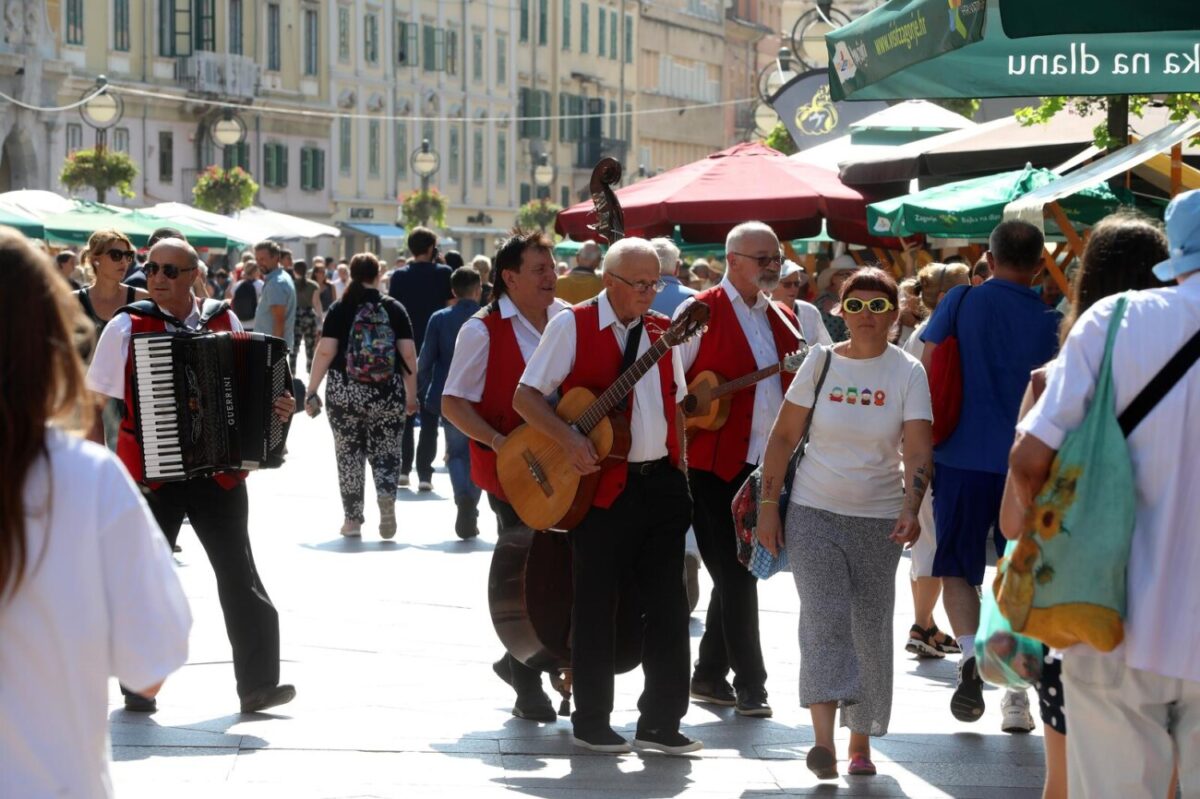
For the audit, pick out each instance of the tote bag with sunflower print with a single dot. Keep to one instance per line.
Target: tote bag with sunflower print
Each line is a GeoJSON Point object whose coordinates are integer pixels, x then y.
{"type": "Point", "coordinates": [1063, 582]}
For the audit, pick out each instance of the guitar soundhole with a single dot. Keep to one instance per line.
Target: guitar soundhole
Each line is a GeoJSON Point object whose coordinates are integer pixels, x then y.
{"type": "Point", "coordinates": [690, 403]}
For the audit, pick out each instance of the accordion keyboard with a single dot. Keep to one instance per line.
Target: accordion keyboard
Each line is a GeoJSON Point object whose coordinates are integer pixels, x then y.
{"type": "Point", "coordinates": [157, 414]}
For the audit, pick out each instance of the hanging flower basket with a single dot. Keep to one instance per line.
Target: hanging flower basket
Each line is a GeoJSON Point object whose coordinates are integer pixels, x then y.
{"type": "Point", "coordinates": [224, 191]}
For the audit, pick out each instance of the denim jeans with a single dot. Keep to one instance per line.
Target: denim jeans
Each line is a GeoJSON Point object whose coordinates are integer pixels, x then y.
{"type": "Point", "coordinates": [458, 462]}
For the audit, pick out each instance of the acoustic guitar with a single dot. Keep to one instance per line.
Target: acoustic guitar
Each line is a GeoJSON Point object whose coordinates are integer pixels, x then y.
{"type": "Point", "coordinates": [710, 396]}
{"type": "Point", "coordinates": [537, 476]}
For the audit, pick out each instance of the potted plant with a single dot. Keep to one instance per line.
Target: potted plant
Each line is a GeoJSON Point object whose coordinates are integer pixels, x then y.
{"type": "Point", "coordinates": [101, 169]}
{"type": "Point", "coordinates": [539, 214]}
{"type": "Point", "coordinates": [224, 191]}
{"type": "Point", "coordinates": [422, 206]}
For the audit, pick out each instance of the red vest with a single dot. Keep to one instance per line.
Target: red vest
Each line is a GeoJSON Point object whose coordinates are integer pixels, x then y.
{"type": "Point", "coordinates": [725, 350]}
{"type": "Point", "coordinates": [505, 366]}
{"type": "Point", "coordinates": [128, 448]}
{"type": "Point", "coordinates": [598, 365]}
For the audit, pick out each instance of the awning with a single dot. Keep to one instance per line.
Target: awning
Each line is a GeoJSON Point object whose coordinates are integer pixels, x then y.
{"type": "Point", "coordinates": [481, 231]}
{"type": "Point", "coordinates": [1031, 207]}
{"type": "Point", "coordinates": [379, 230]}
{"type": "Point", "coordinates": [276, 225]}
{"type": "Point", "coordinates": [944, 49]}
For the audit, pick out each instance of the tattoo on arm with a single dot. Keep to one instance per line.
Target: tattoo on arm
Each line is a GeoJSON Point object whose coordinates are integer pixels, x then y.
{"type": "Point", "coordinates": [921, 478]}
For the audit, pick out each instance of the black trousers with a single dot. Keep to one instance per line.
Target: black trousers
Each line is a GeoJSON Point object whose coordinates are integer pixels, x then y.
{"type": "Point", "coordinates": [524, 679]}
{"type": "Point", "coordinates": [640, 539]}
{"type": "Point", "coordinates": [426, 449]}
{"type": "Point", "coordinates": [731, 626]}
{"type": "Point", "coordinates": [220, 518]}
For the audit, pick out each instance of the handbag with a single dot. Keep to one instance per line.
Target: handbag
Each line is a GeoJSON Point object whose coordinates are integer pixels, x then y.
{"type": "Point", "coordinates": [745, 506]}
{"type": "Point", "coordinates": [946, 381]}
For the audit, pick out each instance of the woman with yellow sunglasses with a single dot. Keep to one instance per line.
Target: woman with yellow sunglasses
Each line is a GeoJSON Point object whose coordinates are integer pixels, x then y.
{"type": "Point", "coordinates": [850, 512]}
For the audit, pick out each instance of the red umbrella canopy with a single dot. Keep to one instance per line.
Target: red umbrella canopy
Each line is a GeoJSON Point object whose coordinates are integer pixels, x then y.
{"type": "Point", "coordinates": [709, 197]}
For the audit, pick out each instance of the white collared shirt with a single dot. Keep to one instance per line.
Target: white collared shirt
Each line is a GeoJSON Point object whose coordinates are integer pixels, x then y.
{"type": "Point", "coordinates": [756, 328]}
{"type": "Point", "coordinates": [106, 374]}
{"type": "Point", "coordinates": [1162, 634]}
{"type": "Point", "coordinates": [468, 368]}
{"type": "Point", "coordinates": [555, 358]}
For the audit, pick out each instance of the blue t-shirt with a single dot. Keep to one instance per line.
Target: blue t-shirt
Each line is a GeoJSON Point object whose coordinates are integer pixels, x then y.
{"type": "Point", "coordinates": [422, 288]}
{"type": "Point", "coordinates": [278, 289]}
{"type": "Point", "coordinates": [1004, 332]}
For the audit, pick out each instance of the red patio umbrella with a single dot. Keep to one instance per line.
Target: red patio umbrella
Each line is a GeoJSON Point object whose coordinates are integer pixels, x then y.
{"type": "Point", "coordinates": [707, 198]}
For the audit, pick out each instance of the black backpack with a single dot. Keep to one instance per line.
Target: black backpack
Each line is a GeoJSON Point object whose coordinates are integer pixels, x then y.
{"type": "Point", "coordinates": [245, 301]}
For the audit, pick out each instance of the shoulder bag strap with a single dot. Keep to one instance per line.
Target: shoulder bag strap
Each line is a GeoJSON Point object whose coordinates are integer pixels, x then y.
{"type": "Point", "coordinates": [789, 326]}
{"type": "Point", "coordinates": [799, 453]}
{"type": "Point", "coordinates": [1160, 385]}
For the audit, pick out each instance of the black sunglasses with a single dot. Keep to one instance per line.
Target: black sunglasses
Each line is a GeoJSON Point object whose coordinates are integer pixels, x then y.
{"type": "Point", "coordinates": [170, 270]}
{"type": "Point", "coordinates": [120, 255]}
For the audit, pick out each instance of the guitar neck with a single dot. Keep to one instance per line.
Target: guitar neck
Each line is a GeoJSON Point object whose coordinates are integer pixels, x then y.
{"type": "Point", "coordinates": [746, 380]}
{"type": "Point", "coordinates": [620, 389]}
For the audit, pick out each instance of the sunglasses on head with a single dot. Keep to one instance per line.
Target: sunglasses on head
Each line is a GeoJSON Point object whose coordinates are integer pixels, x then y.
{"type": "Point", "coordinates": [877, 305]}
{"type": "Point", "coordinates": [120, 255]}
{"type": "Point", "coordinates": [170, 270]}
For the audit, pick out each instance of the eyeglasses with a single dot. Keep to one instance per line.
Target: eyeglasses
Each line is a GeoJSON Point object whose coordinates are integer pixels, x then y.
{"type": "Point", "coordinates": [790, 284]}
{"type": "Point", "coordinates": [763, 261]}
{"type": "Point", "coordinates": [877, 305]}
{"type": "Point", "coordinates": [120, 255]}
{"type": "Point", "coordinates": [641, 286]}
{"type": "Point", "coordinates": [170, 270]}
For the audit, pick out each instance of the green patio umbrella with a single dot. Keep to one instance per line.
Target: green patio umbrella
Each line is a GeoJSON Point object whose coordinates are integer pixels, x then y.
{"type": "Point", "coordinates": [970, 209]}
{"type": "Point", "coordinates": [908, 49]}
{"type": "Point", "coordinates": [76, 226]}
{"type": "Point", "coordinates": [27, 225]}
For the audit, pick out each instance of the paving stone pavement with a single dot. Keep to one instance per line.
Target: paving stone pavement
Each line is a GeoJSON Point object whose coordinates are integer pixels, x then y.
{"type": "Point", "coordinates": [389, 645]}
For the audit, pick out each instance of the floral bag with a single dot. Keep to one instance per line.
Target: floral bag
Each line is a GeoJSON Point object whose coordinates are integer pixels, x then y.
{"type": "Point", "coordinates": [1063, 582]}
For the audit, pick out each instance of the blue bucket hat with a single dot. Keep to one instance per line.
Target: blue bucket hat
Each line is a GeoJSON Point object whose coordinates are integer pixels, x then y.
{"type": "Point", "coordinates": [1183, 235]}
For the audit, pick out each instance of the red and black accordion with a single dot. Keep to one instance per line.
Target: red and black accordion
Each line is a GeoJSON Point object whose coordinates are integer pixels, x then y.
{"type": "Point", "coordinates": [204, 402]}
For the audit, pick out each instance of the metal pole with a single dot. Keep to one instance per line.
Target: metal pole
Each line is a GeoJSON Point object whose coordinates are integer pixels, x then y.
{"type": "Point", "coordinates": [533, 93]}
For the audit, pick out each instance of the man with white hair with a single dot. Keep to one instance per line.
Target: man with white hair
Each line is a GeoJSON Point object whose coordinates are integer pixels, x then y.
{"type": "Point", "coordinates": [634, 531]}
{"type": "Point", "coordinates": [673, 292]}
{"type": "Point", "coordinates": [581, 283]}
{"type": "Point", "coordinates": [746, 332]}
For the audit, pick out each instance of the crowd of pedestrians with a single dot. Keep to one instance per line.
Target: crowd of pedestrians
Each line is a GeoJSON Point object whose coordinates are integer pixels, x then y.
{"type": "Point", "coordinates": [879, 471]}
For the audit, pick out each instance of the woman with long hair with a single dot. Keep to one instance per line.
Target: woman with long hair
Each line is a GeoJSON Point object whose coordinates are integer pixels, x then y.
{"type": "Point", "coordinates": [925, 640]}
{"type": "Point", "coordinates": [368, 351]}
{"type": "Point", "coordinates": [109, 253]}
{"type": "Point", "coordinates": [1119, 256]}
{"type": "Point", "coordinates": [87, 585]}
{"type": "Point", "coordinates": [851, 510]}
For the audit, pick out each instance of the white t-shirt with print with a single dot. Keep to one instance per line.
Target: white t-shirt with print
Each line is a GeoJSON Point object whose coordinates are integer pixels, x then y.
{"type": "Point", "coordinates": [852, 465]}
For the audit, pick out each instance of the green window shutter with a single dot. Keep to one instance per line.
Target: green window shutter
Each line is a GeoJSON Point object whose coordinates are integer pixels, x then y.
{"type": "Point", "coordinates": [526, 193]}
{"type": "Point", "coordinates": [320, 170]}
{"type": "Point", "coordinates": [439, 50]}
{"type": "Point", "coordinates": [566, 24]}
{"type": "Point", "coordinates": [628, 38]}
{"type": "Point", "coordinates": [562, 113]}
{"type": "Point", "coordinates": [603, 44]}
{"type": "Point", "coordinates": [525, 20]}
{"type": "Point", "coordinates": [584, 33]}
{"type": "Point", "coordinates": [282, 159]}
{"type": "Point", "coordinates": [545, 112]}
{"type": "Point", "coordinates": [612, 35]}
{"type": "Point", "coordinates": [543, 21]}
{"type": "Point", "coordinates": [268, 164]}
{"type": "Point", "coordinates": [305, 168]}
{"type": "Point", "coordinates": [428, 38]}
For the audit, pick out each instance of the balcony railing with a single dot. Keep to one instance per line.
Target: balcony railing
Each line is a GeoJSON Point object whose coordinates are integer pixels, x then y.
{"type": "Point", "coordinates": [588, 151]}
{"type": "Point", "coordinates": [220, 74]}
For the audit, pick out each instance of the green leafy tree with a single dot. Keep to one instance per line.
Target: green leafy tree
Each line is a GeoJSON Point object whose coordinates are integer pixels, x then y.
{"type": "Point", "coordinates": [780, 139]}
{"type": "Point", "coordinates": [224, 191]}
{"type": "Point", "coordinates": [1182, 106]}
{"type": "Point", "coordinates": [423, 206]}
{"type": "Point", "coordinates": [538, 214]}
{"type": "Point", "coordinates": [101, 170]}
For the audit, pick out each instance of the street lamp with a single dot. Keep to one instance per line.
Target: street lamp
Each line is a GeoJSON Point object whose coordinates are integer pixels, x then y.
{"type": "Point", "coordinates": [543, 173]}
{"type": "Point", "coordinates": [227, 130]}
{"type": "Point", "coordinates": [425, 162]}
{"type": "Point", "coordinates": [102, 111]}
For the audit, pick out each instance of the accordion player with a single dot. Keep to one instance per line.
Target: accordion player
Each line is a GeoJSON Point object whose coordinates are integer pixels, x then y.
{"type": "Point", "coordinates": [204, 402]}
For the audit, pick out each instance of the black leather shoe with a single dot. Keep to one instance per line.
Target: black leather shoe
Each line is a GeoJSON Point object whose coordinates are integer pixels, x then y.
{"type": "Point", "coordinates": [534, 706]}
{"type": "Point", "coordinates": [713, 693]}
{"type": "Point", "coordinates": [466, 524]}
{"type": "Point", "coordinates": [136, 703]}
{"type": "Point", "coordinates": [262, 698]}
{"type": "Point", "coordinates": [753, 702]}
{"type": "Point", "coordinates": [603, 740]}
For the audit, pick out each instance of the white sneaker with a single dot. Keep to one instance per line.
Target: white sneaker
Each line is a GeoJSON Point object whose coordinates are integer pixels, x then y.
{"type": "Point", "coordinates": [402, 481]}
{"type": "Point", "coordinates": [1015, 710]}
{"type": "Point", "coordinates": [425, 485]}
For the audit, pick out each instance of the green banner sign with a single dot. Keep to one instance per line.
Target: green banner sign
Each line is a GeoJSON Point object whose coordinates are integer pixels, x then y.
{"type": "Point", "coordinates": [998, 66]}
